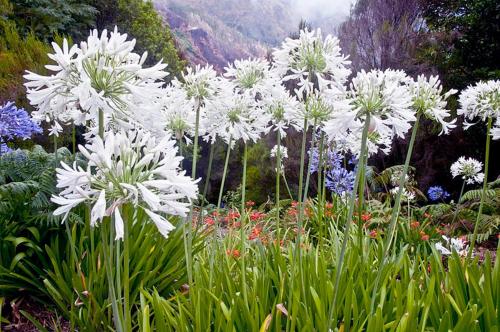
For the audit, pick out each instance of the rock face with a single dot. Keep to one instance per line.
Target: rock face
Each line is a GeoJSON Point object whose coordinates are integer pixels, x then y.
{"type": "Point", "coordinates": [219, 31]}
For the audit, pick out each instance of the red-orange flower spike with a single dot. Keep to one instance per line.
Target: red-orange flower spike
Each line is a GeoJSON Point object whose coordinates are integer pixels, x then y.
{"type": "Point", "coordinates": [209, 221]}
{"type": "Point", "coordinates": [235, 253]}
{"type": "Point", "coordinates": [366, 217]}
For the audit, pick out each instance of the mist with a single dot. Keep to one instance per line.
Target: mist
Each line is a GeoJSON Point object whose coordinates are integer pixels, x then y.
{"type": "Point", "coordinates": [313, 10]}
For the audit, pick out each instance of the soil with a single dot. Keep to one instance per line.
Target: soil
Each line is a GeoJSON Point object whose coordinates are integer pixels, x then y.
{"type": "Point", "coordinates": [18, 322]}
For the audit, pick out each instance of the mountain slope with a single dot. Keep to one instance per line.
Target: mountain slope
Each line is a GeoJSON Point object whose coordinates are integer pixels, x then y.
{"type": "Point", "coordinates": [219, 31]}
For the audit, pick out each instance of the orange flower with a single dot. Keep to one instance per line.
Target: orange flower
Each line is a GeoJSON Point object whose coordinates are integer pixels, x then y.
{"type": "Point", "coordinates": [366, 217]}
{"type": "Point", "coordinates": [257, 215]}
{"type": "Point", "coordinates": [295, 204]}
{"type": "Point", "coordinates": [424, 237]}
{"type": "Point", "coordinates": [373, 234]}
{"type": "Point", "coordinates": [249, 204]}
{"type": "Point", "coordinates": [414, 224]}
{"type": "Point", "coordinates": [234, 253]}
{"type": "Point", "coordinates": [209, 221]}
{"type": "Point", "coordinates": [255, 233]}
{"type": "Point", "coordinates": [427, 215]}
{"type": "Point", "coordinates": [233, 215]}
{"type": "Point", "coordinates": [329, 213]}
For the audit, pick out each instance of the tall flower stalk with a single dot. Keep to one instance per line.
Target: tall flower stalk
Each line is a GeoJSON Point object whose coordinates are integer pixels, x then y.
{"type": "Point", "coordinates": [482, 101]}
{"type": "Point", "coordinates": [427, 100]}
{"type": "Point", "coordinates": [485, 186]}
{"type": "Point", "coordinates": [126, 169]}
{"type": "Point", "coordinates": [352, 201]}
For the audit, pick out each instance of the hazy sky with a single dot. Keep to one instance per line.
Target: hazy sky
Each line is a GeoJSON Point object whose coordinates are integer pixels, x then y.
{"type": "Point", "coordinates": [311, 9]}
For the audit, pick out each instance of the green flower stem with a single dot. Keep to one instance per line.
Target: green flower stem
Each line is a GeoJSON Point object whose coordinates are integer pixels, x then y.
{"type": "Point", "coordinates": [107, 251]}
{"type": "Point", "coordinates": [278, 179]}
{"type": "Point", "coordinates": [395, 212]}
{"type": "Point", "coordinates": [361, 203]}
{"type": "Point", "coordinates": [455, 214]}
{"type": "Point", "coordinates": [287, 187]}
{"type": "Point", "coordinates": [320, 185]}
{"type": "Point", "coordinates": [308, 173]}
{"type": "Point", "coordinates": [126, 268]}
{"type": "Point", "coordinates": [303, 197]}
{"type": "Point", "coordinates": [350, 213]}
{"type": "Point", "coordinates": [485, 186]}
{"type": "Point", "coordinates": [221, 189]}
{"type": "Point", "coordinates": [56, 161]}
{"type": "Point", "coordinates": [242, 225]}
{"type": "Point", "coordinates": [195, 144]}
{"type": "Point", "coordinates": [189, 253]}
{"type": "Point", "coordinates": [207, 179]}
{"type": "Point", "coordinates": [73, 138]}
{"type": "Point", "coordinates": [101, 123]}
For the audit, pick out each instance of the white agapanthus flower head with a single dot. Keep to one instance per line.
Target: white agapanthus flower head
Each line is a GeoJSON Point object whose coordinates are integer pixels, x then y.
{"type": "Point", "coordinates": [406, 195]}
{"type": "Point", "coordinates": [252, 76]}
{"type": "Point", "coordinates": [128, 167]}
{"type": "Point", "coordinates": [178, 113]}
{"type": "Point", "coordinates": [199, 83]}
{"type": "Point", "coordinates": [283, 151]}
{"type": "Point", "coordinates": [469, 169]}
{"type": "Point", "coordinates": [428, 100]}
{"type": "Point", "coordinates": [385, 97]}
{"type": "Point", "coordinates": [233, 116]}
{"type": "Point", "coordinates": [312, 60]}
{"type": "Point", "coordinates": [102, 74]}
{"type": "Point", "coordinates": [482, 101]}
{"type": "Point", "coordinates": [282, 109]}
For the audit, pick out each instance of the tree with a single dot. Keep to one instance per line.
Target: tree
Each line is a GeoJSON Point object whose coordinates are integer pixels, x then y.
{"type": "Point", "coordinates": [465, 46]}
{"type": "Point", "coordinates": [141, 21]}
{"type": "Point", "coordinates": [46, 18]}
{"type": "Point", "coordinates": [383, 34]}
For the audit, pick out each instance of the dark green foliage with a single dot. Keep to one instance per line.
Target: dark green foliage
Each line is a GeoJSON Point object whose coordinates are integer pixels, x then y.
{"type": "Point", "coordinates": [140, 20]}
{"type": "Point", "coordinates": [18, 54]}
{"type": "Point", "coordinates": [27, 181]}
{"type": "Point", "coordinates": [261, 177]}
{"type": "Point", "coordinates": [46, 18]}
{"type": "Point", "coordinates": [465, 45]}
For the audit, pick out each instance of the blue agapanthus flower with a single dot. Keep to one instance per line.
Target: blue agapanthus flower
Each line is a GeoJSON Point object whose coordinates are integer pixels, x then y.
{"type": "Point", "coordinates": [15, 123]}
{"type": "Point", "coordinates": [4, 148]}
{"type": "Point", "coordinates": [340, 180]}
{"type": "Point", "coordinates": [437, 193]}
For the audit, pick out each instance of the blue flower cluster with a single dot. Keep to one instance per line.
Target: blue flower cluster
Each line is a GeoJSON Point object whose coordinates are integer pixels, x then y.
{"type": "Point", "coordinates": [15, 123]}
{"type": "Point", "coordinates": [437, 193]}
{"type": "Point", "coordinates": [339, 179]}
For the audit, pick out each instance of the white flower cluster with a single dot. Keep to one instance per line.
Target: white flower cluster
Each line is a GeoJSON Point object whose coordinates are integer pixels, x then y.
{"type": "Point", "coordinates": [283, 152]}
{"type": "Point", "coordinates": [406, 195]}
{"type": "Point", "coordinates": [427, 98]}
{"type": "Point", "coordinates": [469, 169]}
{"type": "Point", "coordinates": [312, 60]}
{"type": "Point", "coordinates": [452, 244]}
{"type": "Point", "coordinates": [125, 168]}
{"type": "Point", "coordinates": [102, 74]}
{"type": "Point", "coordinates": [482, 101]}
